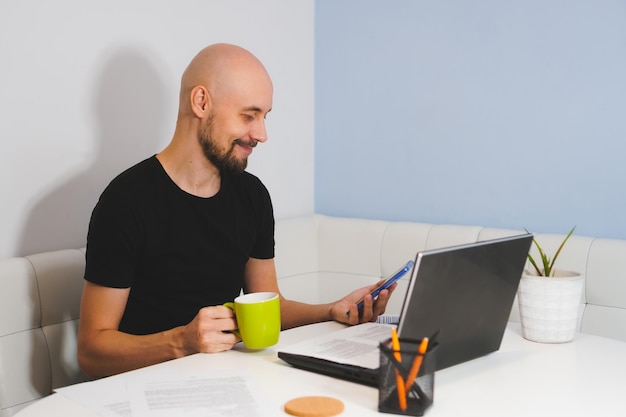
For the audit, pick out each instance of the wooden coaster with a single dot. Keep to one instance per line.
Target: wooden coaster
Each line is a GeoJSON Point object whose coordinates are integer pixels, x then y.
{"type": "Point", "coordinates": [314, 407]}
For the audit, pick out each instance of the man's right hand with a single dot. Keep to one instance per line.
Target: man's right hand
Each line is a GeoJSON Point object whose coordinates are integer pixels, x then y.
{"type": "Point", "coordinates": [210, 331]}
{"type": "Point", "coordinates": [103, 350]}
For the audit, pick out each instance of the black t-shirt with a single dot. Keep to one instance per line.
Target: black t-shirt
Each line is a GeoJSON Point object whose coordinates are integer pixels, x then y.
{"type": "Point", "coordinates": [177, 252]}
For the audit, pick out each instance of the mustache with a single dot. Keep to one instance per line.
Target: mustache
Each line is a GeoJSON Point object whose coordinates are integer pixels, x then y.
{"type": "Point", "coordinates": [249, 143]}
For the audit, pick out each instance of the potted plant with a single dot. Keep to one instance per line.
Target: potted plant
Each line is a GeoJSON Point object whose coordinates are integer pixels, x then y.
{"type": "Point", "coordinates": [549, 298]}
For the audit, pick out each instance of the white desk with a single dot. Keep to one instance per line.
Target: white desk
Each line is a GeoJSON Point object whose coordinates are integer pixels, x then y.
{"type": "Point", "coordinates": [586, 377]}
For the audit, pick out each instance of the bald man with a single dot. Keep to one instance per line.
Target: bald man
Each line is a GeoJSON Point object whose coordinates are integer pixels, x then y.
{"type": "Point", "coordinates": [180, 233]}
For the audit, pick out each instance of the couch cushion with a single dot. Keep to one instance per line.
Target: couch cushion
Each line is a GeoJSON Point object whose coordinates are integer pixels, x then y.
{"type": "Point", "coordinates": [19, 299]}
{"type": "Point", "coordinates": [352, 246]}
{"type": "Point", "coordinates": [39, 309]}
{"type": "Point", "coordinates": [605, 289]}
{"type": "Point", "coordinates": [401, 242]}
{"type": "Point", "coordinates": [59, 277]}
{"type": "Point", "coordinates": [296, 246]}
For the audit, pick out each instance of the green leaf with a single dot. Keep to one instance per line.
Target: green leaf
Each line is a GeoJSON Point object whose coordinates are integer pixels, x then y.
{"type": "Point", "coordinates": [548, 265]}
{"type": "Point", "coordinates": [534, 264]}
{"type": "Point", "coordinates": [558, 251]}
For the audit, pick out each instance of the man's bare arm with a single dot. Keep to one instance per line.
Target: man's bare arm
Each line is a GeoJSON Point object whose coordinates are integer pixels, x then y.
{"type": "Point", "coordinates": [261, 276]}
{"type": "Point", "coordinates": [103, 350]}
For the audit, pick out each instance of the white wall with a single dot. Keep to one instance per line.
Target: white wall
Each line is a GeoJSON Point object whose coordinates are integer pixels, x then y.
{"type": "Point", "coordinates": [89, 88]}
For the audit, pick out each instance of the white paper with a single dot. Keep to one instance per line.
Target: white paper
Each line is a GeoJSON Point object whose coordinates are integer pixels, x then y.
{"type": "Point", "coordinates": [107, 397]}
{"type": "Point", "coordinates": [219, 394]}
{"type": "Point", "coordinates": [356, 345]}
{"type": "Point", "coordinates": [223, 393]}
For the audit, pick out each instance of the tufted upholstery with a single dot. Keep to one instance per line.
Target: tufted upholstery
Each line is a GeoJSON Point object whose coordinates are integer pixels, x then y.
{"type": "Point", "coordinates": [321, 258]}
{"type": "Point", "coordinates": [39, 308]}
{"type": "Point", "coordinates": [318, 259]}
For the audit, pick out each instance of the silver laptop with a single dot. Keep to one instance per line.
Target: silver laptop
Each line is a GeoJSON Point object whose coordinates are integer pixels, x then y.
{"type": "Point", "coordinates": [462, 294]}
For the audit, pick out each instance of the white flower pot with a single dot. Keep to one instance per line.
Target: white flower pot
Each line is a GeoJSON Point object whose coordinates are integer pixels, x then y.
{"type": "Point", "coordinates": [549, 306]}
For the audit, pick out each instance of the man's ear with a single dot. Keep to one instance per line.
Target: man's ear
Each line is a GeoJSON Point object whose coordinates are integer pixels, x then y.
{"type": "Point", "coordinates": [200, 101]}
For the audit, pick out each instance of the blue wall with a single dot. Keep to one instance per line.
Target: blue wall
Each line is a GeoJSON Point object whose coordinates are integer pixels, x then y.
{"type": "Point", "coordinates": [503, 114]}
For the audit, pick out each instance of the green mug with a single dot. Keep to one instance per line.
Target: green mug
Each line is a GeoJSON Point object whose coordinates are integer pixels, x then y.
{"type": "Point", "coordinates": [258, 318]}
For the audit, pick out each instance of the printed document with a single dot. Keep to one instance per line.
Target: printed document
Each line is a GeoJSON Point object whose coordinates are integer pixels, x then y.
{"type": "Point", "coordinates": [155, 394]}
{"type": "Point", "coordinates": [355, 345]}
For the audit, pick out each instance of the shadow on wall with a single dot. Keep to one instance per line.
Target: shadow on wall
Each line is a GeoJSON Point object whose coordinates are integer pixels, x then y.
{"type": "Point", "coordinates": [129, 106]}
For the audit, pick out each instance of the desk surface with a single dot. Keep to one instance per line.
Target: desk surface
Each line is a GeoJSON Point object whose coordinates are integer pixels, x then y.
{"type": "Point", "coordinates": [585, 377]}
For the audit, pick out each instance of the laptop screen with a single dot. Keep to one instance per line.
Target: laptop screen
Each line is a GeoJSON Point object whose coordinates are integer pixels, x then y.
{"type": "Point", "coordinates": [465, 293]}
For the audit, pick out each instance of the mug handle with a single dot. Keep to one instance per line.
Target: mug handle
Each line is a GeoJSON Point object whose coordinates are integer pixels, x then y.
{"type": "Point", "coordinates": [231, 305]}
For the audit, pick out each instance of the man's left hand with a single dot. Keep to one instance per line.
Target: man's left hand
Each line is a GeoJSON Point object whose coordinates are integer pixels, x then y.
{"type": "Point", "coordinates": [346, 311]}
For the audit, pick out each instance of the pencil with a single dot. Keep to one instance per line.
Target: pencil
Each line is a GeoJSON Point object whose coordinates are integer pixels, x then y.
{"type": "Point", "coordinates": [417, 363]}
{"type": "Point", "coordinates": [395, 345]}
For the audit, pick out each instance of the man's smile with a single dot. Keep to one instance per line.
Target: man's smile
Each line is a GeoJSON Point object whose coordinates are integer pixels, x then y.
{"type": "Point", "coordinates": [246, 145]}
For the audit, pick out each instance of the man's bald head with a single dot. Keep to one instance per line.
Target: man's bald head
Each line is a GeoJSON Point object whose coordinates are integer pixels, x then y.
{"type": "Point", "coordinates": [223, 69]}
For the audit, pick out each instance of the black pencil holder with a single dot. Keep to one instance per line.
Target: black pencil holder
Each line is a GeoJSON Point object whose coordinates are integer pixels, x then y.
{"type": "Point", "coordinates": [418, 393]}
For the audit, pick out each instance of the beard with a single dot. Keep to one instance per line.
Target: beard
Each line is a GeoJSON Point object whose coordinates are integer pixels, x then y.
{"type": "Point", "coordinates": [225, 161]}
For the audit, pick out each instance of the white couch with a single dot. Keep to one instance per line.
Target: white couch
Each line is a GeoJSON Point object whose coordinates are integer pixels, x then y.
{"type": "Point", "coordinates": [318, 259]}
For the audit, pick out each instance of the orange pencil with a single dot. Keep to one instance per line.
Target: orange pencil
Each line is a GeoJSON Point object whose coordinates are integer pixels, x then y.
{"type": "Point", "coordinates": [417, 363]}
{"type": "Point", "coordinates": [395, 345]}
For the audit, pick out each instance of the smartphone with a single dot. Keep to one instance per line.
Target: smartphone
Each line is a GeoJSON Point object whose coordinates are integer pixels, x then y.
{"type": "Point", "coordinates": [388, 282]}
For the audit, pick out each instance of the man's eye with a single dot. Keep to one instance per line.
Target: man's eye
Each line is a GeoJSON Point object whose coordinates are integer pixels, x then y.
{"type": "Point", "coordinates": [248, 117]}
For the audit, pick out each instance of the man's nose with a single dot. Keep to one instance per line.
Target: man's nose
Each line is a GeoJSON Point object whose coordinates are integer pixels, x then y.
{"type": "Point", "coordinates": [258, 131]}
